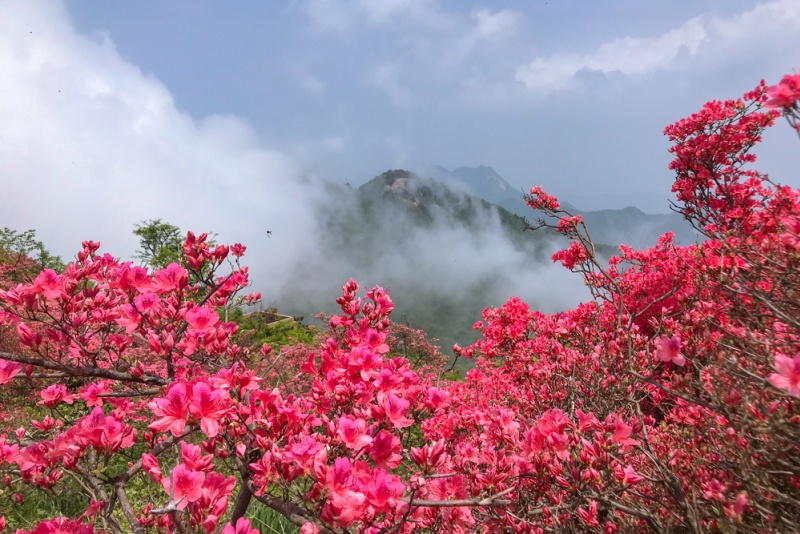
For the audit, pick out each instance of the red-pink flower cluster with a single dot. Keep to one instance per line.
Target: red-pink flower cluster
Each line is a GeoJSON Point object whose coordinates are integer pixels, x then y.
{"type": "Point", "coordinates": [667, 403]}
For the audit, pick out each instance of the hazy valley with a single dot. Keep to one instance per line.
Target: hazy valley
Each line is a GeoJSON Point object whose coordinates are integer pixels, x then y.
{"type": "Point", "coordinates": [447, 245]}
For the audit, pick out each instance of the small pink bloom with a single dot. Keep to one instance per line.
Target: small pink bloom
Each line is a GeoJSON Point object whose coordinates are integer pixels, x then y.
{"type": "Point", "coordinates": [630, 477]}
{"type": "Point", "coordinates": [589, 516]}
{"type": "Point", "coordinates": [209, 406]}
{"type": "Point", "coordinates": [243, 526]}
{"type": "Point", "coordinates": [50, 284]}
{"type": "Point", "coordinates": [172, 411]}
{"type": "Point", "coordinates": [788, 375]}
{"type": "Point", "coordinates": [395, 409]}
{"type": "Point", "coordinates": [193, 458]}
{"type": "Point", "coordinates": [353, 432]}
{"type": "Point", "coordinates": [740, 504]}
{"type": "Point", "coordinates": [90, 393]}
{"type": "Point", "coordinates": [201, 318]}
{"type": "Point", "coordinates": [384, 488]}
{"type": "Point", "coordinates": [587, 422]}
{"type": "Point", "coordinates": [129, 318]}
{"type": "Point", "coordinates": [386, 450]}
{"type": "Point", "coordinates": [714, 490]}
{"type": "Point", "coordinates": [339, 483]}
{"type": "Point", "coordinates": [304, 453]}
{"type": "Point", "coordinates": [146, 302]}
{"type": "Point", "coordinates": [8, 370]}
{"type": "Point", "coordinates": [61, 525]}
{"type": "Point", "coordinates": [151, 467]}
{"type": "Point", "coordinates": [184, 485]}
{"type": "Point", "coordinates": [55, 394]}
{"type": "Point", "coordinates": [668, 349]}
{"type": "Point", "coordinates": [785, 94]}
{"type": "Point", "coordinates": [622, 431]}
{"type": "Point", "coordinates": [173, 277]}
{"type": "Point", "coordinates": [539, 200]}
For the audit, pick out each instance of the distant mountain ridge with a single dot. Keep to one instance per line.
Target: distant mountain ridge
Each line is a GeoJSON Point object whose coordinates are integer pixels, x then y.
{"type": "Point", "coordinates": [427, 201]}
{"type": "Point", "coordinates": [443, 253]}
{"type": "Point", "coordinates": [629, 225]}
{"type": "Point", "coordinates": [446, 245]}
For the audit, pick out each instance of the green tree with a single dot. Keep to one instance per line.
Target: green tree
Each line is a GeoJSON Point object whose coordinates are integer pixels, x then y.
{"type": "Point", "coordinates": [161, 243]}
{"type": "Point", "coordinates": [24, 256]}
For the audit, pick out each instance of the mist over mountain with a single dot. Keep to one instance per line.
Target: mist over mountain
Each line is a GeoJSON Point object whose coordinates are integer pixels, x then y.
{"type": "Point", "coordinates": [445, 255]}
{"type": "Point", "coordinates": [448, 244]}
{"type": "Point", "coordinates": [629, 225]}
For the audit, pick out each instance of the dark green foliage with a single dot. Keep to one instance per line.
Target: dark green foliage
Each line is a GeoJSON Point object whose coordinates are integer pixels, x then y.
{"type": "Point", "coordinates": [161, 243]}
{"type": "Point", "coordinates": [24, 255]}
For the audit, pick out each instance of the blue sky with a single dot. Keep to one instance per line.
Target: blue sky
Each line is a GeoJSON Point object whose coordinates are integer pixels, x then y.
{"type": "Point", "coordinates": [232, 115]}
{"type": "Point", "coordinates": [568, 93]}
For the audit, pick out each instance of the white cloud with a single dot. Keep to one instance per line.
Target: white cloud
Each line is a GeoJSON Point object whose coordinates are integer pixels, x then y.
{"type": "Point", "coordinates": [329, 16]}
{"type": "Point", "coordinates": [486, 27]}
{"type": "Point", "coordinates": [383, 11]}
{"type": "Point", "coordinates": [343, 16]}
{"type": "Point", "coordinates": [490, 24]}
{"type": "Point", "coordinates": [626, 55]}
{"type": "Point", "coordinates": [700, 36]}
{"type": "Point", "coordinates": [386, 78]}
{"type": "Point", "coordinates": [89, 146]}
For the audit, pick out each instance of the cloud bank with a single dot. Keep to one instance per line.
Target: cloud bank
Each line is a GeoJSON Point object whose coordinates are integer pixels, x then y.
{"type": "Point", "coordinates": [91, 145]}
{"type": "Point", "coordinates": [705, 35]}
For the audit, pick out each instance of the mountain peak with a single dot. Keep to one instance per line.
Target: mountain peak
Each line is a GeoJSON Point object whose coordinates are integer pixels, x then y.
{"type": "Point", "coordinates": [482, 181]}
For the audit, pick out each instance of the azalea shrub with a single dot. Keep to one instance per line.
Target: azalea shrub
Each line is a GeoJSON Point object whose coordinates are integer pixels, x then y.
{"type": "Point", "coordinates": [668, 403]}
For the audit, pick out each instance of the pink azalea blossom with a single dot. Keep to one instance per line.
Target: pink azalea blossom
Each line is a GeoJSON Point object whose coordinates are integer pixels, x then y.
{"type": "Point", "coordinates": [62, 525]}
{"type": "Point", "coordinates": [90, 393]}
{"type": "Point", "coordinates": [339, 483]}
{"type": "Point", "coordinates": [785, 94]}
{"type": "Point", "coordinates": [243, 526]}
{"type": "Point", "coordinates": [395, 409]}
{"type": "Point", "coordinates": [201, 318]}
{"type": "Point", "coordinates": [171, 278]}
{"type": "Point", "coordinates": [172, 410]}
{"type": "Point", "coordinates": [740, 504]}
{"type": "Point", "coordinates": [50, 284]}
{"type": "Point", "coordinates": [309, 528]}
{"type": "Point", "coordinates": [55, 394]}
{"type": "Point", "coordinates": [8, 370]}
{"type": "Point", "coordinates": [622, 431]}
{"type": "Point", "coordinates": [589, 516]}
{"type": "Point", "coordinates": [587, 422]}
{"type": "Point", "coordinates": [384, 489]}
{"type": "Point", "coordinates": [630, 476]}
{"type": "Point", "coordinates": [209, 406]}
{"type": "Point", "coordinates": [386, 450]}
{"type": "Point", "coordinates": [193, 457]}
{"type": "Point", "coordinates": [185, 486]}
{"type": "Point", "coordinates": [305, 453]}
{"type": "Point", "coordinates": [151, 467]}
{"type": "Point", "coordinates": [353, 432]}
{"type": "Point", "coordinates": [104, 433]}
{"type": "Point", "coordinates": [714, 490]}
{"type": "Point", "coordinates": [788, 375]}
{"type": "Point", "coordinates": [129, 318]}
{"type": "Point", "coordinates": [146, 302]}
{"type": "Point", "coordinates": [668, 349]}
